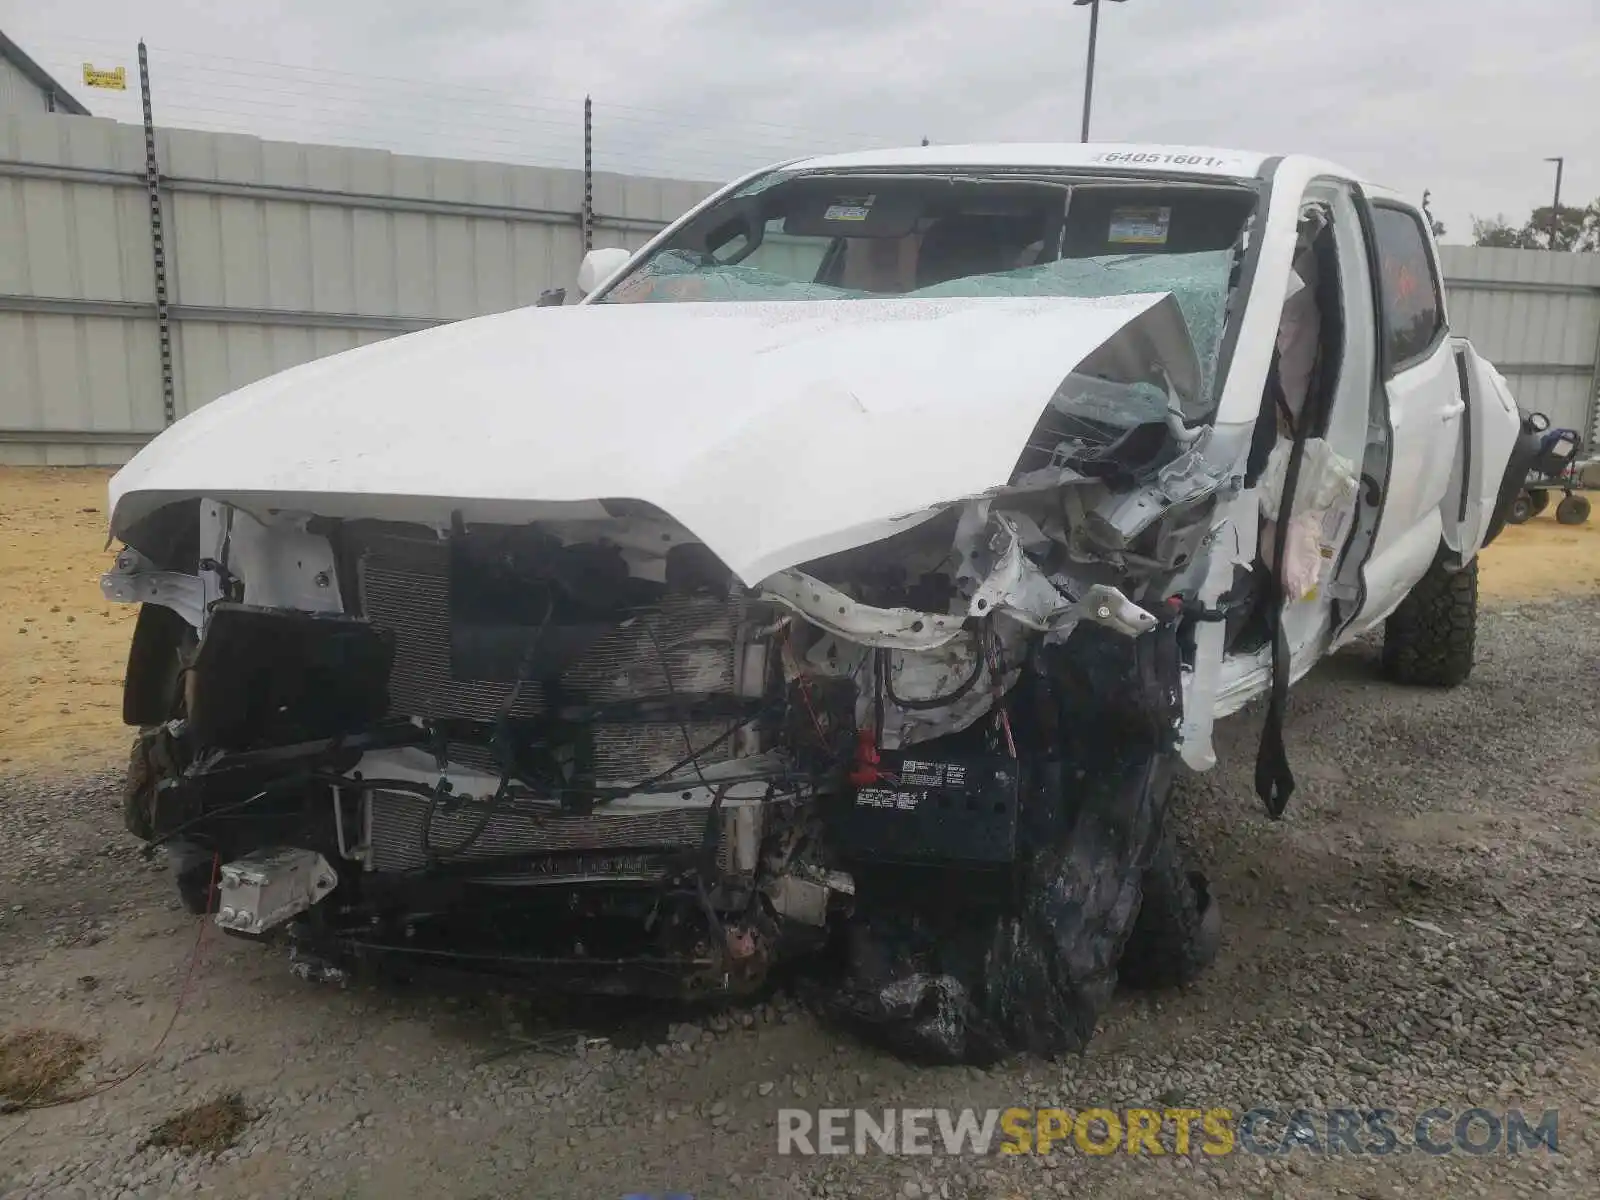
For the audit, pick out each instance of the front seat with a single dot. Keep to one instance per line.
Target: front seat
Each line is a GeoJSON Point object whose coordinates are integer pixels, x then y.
{"type": "Point", "coordinates": [957, 246]}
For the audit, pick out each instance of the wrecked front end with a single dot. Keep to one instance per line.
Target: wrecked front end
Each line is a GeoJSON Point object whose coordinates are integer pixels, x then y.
{"type": "Point", "coordinates": [580, 750]}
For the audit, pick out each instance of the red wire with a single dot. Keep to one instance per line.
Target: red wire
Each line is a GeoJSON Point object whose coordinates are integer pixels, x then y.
{"type": "Point", "coordinates": [177, 1010]}
{"type": "Point", "coordinates": [805, 689]}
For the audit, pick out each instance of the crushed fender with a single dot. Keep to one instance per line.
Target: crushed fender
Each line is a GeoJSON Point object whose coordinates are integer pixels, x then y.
{"type": "Point", "coordinates": [1033, 969]}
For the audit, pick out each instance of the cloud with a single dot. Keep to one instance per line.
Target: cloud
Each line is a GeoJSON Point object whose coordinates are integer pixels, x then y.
{"type": "Point", "coordinates": [1462, 97]}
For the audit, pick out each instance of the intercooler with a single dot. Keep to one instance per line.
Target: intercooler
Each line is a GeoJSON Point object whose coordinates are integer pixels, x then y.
{"type": "Point", "coordinates": [402, 837]}
{"type": "Point", "coordinates": [404, 587]}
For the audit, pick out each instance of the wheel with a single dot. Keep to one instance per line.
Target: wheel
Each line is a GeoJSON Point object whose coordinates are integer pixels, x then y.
{"type": "Point", "coordinates": [193, 868]}
{"type": "Point", "coordinates": [1540, 498]}
{"type": "Point", "coordinates": [1429, 640]}
{"type": "Point", "coordinates": [1179, 927]}
{"type": "Point", "coordinates": [1521, 509]}
{"type": "Point", "coordinates": [1573, 510]}
{"type": "Point", "coordinates": [139, 789]}
{"type": "Point", "coordinates": [966, 984]}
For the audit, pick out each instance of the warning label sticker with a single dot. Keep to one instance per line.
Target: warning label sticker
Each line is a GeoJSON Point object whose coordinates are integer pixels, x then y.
{"type": "Point", "coordinates": [887, 798]}
{"type": "Point", "coordinates": [1139, 226]}
{"type": "Point", "coordinates": [917, 773]}
{"type": "Point", "coordinates": [850, 208]}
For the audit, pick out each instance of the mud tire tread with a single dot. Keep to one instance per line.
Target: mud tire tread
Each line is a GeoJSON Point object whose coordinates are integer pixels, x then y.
{"type": "Point", "coordinates": [1177, 932]}
{"type": "Point", "coordinates": [1430, 640]}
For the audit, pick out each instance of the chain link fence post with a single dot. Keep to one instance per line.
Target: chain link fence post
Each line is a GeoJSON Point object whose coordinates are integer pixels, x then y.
{"type": "Point", "coordinates": [158, 244]}
{"type": "Point", "coordinates": [588, 174]}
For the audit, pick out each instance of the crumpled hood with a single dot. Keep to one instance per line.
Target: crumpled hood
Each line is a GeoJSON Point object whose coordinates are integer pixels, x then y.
{"type": "Point", "coordinates": [774, 432]}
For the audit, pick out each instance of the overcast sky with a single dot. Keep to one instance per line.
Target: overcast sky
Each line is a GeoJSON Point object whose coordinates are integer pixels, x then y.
{"type": "Point", "coordinates": [1463, 97]}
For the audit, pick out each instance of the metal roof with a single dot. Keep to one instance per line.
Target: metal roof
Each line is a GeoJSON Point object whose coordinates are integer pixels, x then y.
{"type": "Point", "coordinates": [1198, 160]}
{"type": "Point", "coordinates": [63, 100]}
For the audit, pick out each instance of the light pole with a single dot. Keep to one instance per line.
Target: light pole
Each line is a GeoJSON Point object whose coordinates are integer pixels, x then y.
{"type": "Point", "coordinates": [1088, 77]}
{"type": "Point", "coordinates": [1555, 207]}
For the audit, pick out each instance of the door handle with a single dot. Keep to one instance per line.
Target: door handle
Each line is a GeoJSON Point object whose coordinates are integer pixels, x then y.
{"type": "Point", "coordinates": [1453, 410]}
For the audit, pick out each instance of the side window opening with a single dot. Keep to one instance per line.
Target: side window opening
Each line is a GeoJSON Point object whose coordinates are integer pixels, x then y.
{"type": "Point", "coordinates": [1413, 311]}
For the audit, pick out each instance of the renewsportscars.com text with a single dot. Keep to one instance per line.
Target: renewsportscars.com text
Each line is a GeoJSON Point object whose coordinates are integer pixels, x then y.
{"type": "Point", "coordinates": [1158, 1131]}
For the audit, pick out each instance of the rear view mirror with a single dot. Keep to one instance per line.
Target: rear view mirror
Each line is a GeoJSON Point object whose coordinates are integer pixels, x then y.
{"type": "Point", "coordinates": [599, 265]}
{"type": "Point", "coordinates": [551, 298]}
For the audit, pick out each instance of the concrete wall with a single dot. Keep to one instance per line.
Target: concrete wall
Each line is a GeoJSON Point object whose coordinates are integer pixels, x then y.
{"type": "Point", "coordinates": [276, 253]}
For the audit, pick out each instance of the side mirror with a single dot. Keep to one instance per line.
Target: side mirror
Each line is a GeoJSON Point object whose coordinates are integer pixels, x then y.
{"type": "Point", "coordinates": [599, 265]}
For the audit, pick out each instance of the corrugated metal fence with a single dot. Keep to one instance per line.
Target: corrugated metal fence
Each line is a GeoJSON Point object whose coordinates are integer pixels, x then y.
{"type": "Point", "coordinates": [1536, 316]}
{"type": "Point", "coordinates": [276, 253]}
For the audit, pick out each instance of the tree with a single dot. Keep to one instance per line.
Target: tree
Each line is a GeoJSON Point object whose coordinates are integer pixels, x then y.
{"type": "Point", "coordinates": [1433, 222]}
{"type": "Point", "coordinates": [1497, 231]}
{"type": "Point", "coordinates": [1571, 229]}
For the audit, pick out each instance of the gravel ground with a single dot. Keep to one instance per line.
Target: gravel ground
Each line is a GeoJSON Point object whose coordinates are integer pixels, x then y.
{"type": "Point", "coordinates": [1420, 930]}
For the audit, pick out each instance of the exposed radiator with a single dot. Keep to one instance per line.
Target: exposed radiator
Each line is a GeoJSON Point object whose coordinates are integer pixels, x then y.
{"type": "Point", "coordinates": [629, 754]}
{"type": "Point", "coordinates": [404, 587]}
{"type": "Point", "coordinates": [398, 819]}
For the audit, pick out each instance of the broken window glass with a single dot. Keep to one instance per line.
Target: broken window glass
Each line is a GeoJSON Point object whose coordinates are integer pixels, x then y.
{"type": "Point", "coordinates": [1198, 282]}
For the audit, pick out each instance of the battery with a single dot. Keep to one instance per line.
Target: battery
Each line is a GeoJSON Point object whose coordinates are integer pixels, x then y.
{"type": "Point", "coordinates": [931, 811]}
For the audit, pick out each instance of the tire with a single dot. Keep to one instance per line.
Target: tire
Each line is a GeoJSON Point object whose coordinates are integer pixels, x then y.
{"type": "Point", "coordinates": [1541, 500]}
{"type": "Point", "coordinates": [138, 790]}
{"type": "Point", "coordinates": [1429, 640]}
{"type": "Point", "coordinates": [1179, 927]}
{"type": "Point", "coordinates": [1522, 509]}
{"type": "Point", "coordinates": [192, 870]}
{"type": "Point", "coordinates": [965, 984]}
{"type": "Point", "coordinates": [1574, 510]}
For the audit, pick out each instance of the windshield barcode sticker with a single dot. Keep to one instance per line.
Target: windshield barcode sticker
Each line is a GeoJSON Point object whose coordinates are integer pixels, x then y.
{"type": "Point", "coordinates": [1139, 226]}
{"type": "Point", "coordinates": [850, 208]}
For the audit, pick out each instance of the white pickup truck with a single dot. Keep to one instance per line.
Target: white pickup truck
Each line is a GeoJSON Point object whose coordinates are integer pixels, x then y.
{"type": "Point", "coordinates": [857, 558]}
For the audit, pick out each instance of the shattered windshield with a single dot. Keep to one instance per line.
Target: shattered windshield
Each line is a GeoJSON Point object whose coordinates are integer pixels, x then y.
{"type": "Point", "coordinates": [845, 237]}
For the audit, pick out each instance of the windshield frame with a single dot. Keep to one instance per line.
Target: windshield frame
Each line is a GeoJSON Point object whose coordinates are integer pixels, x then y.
{"type": "Point", "coordinates": [1066, 177]}
{"type": "Point", "coordinates": [1240, 284]}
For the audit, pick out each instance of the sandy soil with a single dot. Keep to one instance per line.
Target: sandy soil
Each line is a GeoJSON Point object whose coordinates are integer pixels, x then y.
{"type": "Point", "coordinates": [62, 648]}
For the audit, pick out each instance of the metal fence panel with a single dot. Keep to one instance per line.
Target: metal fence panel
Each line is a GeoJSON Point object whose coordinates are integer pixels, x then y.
{"type": "Point", "coordinates": [277, 253]}
{"type": "Point", "coordinates": [18, 93]}
{"type": "Point", "coordinates": [1536, 316]}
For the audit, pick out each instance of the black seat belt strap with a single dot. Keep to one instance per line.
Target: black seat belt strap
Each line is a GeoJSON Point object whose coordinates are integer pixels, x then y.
{"type": "Point", "coordinates": [1274, 779]}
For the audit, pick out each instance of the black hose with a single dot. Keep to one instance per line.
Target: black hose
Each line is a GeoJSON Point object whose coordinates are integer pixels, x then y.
{"type": "Point", "coordinates": [151, 845]}
{"type": "Point", "coordinates": [949, 697]}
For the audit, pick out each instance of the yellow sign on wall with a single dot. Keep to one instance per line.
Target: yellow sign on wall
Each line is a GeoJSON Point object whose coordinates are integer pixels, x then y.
{"type": "Point", "coordinates": [116, 79]}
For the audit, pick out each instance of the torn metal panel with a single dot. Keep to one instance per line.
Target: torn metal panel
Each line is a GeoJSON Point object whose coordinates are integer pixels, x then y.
{"type": "Point", "coordinates": [1109, 607]}
{"type": "Point", "coordinates": [1011, 582]}
{"type": "Point", "coordinates": [831, 609]}
{"type": "Point", "coordinates": [135, 580]}
{"type": "Point", "coordinates": [282, 564]}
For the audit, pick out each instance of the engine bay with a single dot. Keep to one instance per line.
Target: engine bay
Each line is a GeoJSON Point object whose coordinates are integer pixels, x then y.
{"type": "Point", "coordinates": [584, 750]}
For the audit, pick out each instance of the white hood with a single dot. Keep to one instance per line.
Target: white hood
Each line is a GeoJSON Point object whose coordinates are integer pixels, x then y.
{"type": "Point", "coordinates": [774, 432]}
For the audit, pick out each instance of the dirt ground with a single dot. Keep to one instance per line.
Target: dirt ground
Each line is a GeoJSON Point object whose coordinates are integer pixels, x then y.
{"type": "Point", "coordinates": [62, 647]}
{"type": "Point", "coordinates": [1421, 929]}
